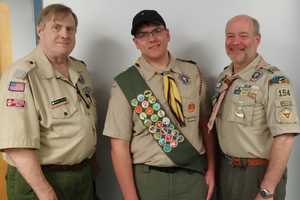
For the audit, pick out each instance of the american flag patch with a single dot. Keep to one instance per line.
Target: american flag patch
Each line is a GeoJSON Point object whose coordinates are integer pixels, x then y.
{"type": "Point", "coordinates": [16, 86]}
{"type": "Point", "coordinates": [18, 103]}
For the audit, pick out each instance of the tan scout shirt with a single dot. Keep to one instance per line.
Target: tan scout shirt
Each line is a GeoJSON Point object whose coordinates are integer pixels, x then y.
{"type": "Point", "coordinates": [122, 123]}
{"type": "Point", "coordinates": [41, 110]}
{"type": "Point", "coordinates": [259, 105]}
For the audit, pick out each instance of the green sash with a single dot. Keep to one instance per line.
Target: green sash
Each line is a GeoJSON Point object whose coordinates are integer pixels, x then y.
{"type": "Point", "coordinates": [164, 132]}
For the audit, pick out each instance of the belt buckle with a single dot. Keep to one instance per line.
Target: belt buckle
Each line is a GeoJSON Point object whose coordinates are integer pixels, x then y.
{"type": "Point", "coordinates": [239, 162]}
{"type": "Point", "coordinates": [244, 162]}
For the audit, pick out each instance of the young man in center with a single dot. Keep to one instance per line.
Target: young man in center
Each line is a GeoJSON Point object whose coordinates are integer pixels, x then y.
{"type": "Point", "coordinates": [156, 121]}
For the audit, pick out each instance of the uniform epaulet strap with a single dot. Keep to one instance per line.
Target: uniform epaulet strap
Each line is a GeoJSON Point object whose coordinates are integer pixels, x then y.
{"type": "Point", "coordinates": [23, 68]}
{"type": "Point", "coordinates": [188, 61]}
{"type": "Point", "coordinates": [270, 69]}
{"type": "Point", "coordinates": [226, 67]}
{"type": "Point", "coordinates": [75, 59]}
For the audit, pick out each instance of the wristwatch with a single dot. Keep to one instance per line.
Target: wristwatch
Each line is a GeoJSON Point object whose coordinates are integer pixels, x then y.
{"type": "Point", "coordinates": [265, 194]}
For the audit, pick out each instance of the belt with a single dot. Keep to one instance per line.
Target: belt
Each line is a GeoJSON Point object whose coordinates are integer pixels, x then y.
{"type": "Point", "coordinates": [168, 170]}
{"type": "Point", "coordinates": [54, 167]}
{"type": "Point", "coordinates": [245, 162]}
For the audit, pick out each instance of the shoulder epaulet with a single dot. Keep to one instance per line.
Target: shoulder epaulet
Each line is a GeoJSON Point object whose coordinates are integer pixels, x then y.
{"type": "Point", "coordinates": [188, 61]}
{"type": "Point", "coordinates": [270, 69]}
{"type": "Point", "coordinates": [226, 67]}
{"type": "Point", "coordinates": [75, 59]}
{"type": "Point", "coordinates": [23, 68]}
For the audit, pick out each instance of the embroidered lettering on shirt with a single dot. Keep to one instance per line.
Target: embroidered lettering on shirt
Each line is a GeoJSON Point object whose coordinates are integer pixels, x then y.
{"type": "Point", "coordinates": [17, 103]}
{"type": "Point", "coordinates": [16, 86]}
{"type": "Point", "coordinates": [283, 92]}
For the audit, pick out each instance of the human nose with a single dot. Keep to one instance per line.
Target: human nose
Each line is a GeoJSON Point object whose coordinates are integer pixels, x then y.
{"type": "Point", "coordinates": [151, 36]}
{"type": "Point", "coordinates": [64, 33]}
{"type": "Point", "coordinates": [236, 40]}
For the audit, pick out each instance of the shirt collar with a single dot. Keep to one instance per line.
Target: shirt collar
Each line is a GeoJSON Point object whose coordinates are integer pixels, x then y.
{"type": "Point", "coordinates": [247, 72]}
{"type": "Point", "coordinates": [46, 70]}
{"type": "Point", "coordinates": [149, 71]}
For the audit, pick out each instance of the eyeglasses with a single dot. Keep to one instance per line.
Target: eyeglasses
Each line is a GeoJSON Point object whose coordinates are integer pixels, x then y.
{"type": "Point", "coordinates": [146, 35]}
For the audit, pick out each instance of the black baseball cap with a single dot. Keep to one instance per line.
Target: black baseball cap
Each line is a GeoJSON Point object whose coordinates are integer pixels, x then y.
{"type": "Point", "coordinates": [146, 16]}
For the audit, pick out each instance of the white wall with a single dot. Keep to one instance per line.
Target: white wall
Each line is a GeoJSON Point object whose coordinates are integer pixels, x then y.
{"type": "Point", "coordinates": [197, 29]}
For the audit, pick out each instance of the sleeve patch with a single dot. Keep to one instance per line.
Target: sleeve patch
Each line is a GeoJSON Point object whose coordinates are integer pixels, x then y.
{"type": "Point", "coordinates": [16, 86]}
{"type": "Point", "coordinates": [286, 103]}
{"type": "Point", "coordinates": [286, 115]}
{"type": "Point", "coordinates": [279, 80]}
{"type": "Point", "coordinates": [17, 103]}
{"type": "Point", "coordinates": [283, 92]}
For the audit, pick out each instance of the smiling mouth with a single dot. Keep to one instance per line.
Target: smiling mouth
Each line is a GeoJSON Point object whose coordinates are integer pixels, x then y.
{"type": "Point", "coordinates": [154, 46]}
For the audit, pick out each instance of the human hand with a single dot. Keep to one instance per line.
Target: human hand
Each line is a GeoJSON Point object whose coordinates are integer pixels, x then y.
{"type": "Point", "coordinates": [47, 194]}
{"type": "Point", "coordinates": [210, 181]}
{"type": "Point", "coordinates": [259, 197]}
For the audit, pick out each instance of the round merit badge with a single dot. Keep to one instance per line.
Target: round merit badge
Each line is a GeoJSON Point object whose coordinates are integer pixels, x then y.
{"type": "Point", "coordinates": [154, 118]}
{"type": "Point", "coordinates": [152, 99]}
{"type": "Point", "coordinates": [147, 93]}
{"type": "Point", "coordinates": [156, 106]}
{"type": "Point", "coordinates": [140, 97]}
{"type": "Point", "coordinates": [161, 113]}
{"type": "Point", "coordinates": [149, 111]}
{"type": "Point", "coordinates": [145, 104]}
{"type": "Point", "coordinates": [138, 109]}
{"type": "Point", "coordinates": [134, 102]}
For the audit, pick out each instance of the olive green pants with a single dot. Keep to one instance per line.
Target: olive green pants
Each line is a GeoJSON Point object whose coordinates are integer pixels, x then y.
{"type": "Point", "coordinates": [68, 185]}
{"type": "Point", "coordinates": [238, 183]}
{"type": "Point", "coordinates": [169, 183]}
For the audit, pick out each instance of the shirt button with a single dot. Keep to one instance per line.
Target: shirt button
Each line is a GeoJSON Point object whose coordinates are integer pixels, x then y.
{"type": "Point", "coordinates": [65, 113]}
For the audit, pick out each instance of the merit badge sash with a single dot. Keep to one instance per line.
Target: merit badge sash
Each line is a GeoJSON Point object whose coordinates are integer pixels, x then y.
{"type": "Point", "coordinates": [153, 116]}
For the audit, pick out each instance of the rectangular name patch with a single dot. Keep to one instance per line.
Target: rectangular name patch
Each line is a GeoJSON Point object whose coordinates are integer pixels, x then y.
{"type": "Point", "coordinates": [18, 103]}
{"type": "Point", "coordinates": [16, 86]}
{"type": "Point", "coordinates": [58, 102]}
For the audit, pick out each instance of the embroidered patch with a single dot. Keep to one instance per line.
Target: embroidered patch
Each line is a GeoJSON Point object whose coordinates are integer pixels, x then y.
{"type": "Point", "coordinates": [285, 103]}
{"type": "Point", "coordinates": [18, 103]}
{"type": "Point", "coordinates": [279, 80]}
{"type": "Point", "coordinates": [155, 119]}
{"type": "Point", "coordinates": [191, 107]}
{"type": "Point", "coordinates": [185, 79]}
{"type": "Point", "coordinates": [285, 114]}
{"type": "Point", "coordinates": [256, 76]}
{"type": "Point", "coordinates": [283, 92]}
{"type": "Point", "coordinates": [16, 86]}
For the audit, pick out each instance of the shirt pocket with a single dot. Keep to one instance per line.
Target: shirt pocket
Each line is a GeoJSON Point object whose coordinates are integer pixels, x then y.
{"type": "Point", "coordinates": [285, 111]}
{"type": "Point", "coordinates": [190, 107]}
{"type": "Point", "coordinates": [241, 111]}
{"type": "Point", "coordinates": [63, 112]}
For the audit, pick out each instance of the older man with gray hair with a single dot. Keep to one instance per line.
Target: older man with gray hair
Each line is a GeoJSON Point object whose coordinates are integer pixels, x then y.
{"type": "Point", "coordinates": [256, 118]}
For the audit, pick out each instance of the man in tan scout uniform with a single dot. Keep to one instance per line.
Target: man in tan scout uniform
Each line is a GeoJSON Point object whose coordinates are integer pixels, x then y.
{"type": "Point", "coordinates": [256, 120]}
{"type": "Point", "coordinates": [140, 152]}
{"type": "Point", "coordinates": [48, 117]}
